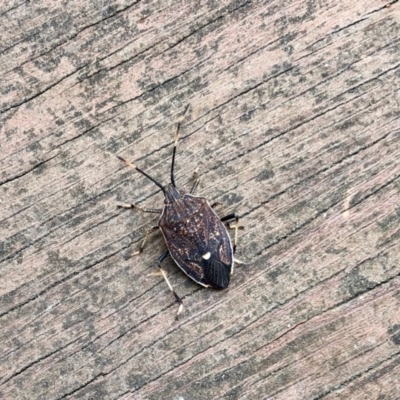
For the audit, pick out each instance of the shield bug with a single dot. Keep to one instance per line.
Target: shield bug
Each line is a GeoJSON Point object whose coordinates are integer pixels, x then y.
{"type": "Point", "coordinates": [196, 238]}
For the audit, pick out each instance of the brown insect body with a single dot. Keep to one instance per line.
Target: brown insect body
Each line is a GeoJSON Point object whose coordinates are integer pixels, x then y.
{"type": "Point", "coordinates": [197, 240]}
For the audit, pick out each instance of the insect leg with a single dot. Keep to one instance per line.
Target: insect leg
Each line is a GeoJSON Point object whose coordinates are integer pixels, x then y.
{"type": "Point", "coordinates": [218, 204]}
{"type": "Point", "coordinates": [236, 227]}
{"type": "Point", "coordinates": [150, 231]}
{"type": "Point", "coordinates": [196, 178]}
{"type": "Point", "coordinates": [228, 219]}
{"type": "Point", "coordinates": [164, 274]}
{"type": "Point", "coordinates": [146, 210]}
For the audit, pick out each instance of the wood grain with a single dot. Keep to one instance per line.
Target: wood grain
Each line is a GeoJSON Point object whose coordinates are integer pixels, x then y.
{"type": "Point", "coordinates": [294, 124]}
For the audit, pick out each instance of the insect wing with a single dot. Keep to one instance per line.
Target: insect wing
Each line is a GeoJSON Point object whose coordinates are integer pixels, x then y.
{"type": "Point", "coordinates": [216, 272]}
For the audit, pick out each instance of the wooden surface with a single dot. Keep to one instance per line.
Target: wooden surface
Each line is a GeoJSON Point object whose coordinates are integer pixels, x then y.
{"type": "Point", "coordinates": [294, 123]}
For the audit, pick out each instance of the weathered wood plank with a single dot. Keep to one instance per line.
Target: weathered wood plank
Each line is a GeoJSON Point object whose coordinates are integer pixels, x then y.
{"type": "Point", "coordinates": [294, 123]}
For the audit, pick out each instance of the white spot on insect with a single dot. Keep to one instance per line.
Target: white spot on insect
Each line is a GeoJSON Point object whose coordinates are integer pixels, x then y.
{"type": "Point", "coordinates": [206, 256]}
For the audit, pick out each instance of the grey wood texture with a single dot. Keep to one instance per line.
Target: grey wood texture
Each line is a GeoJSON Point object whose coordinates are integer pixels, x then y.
{"type": "Point", "coordinates": [294, 123]}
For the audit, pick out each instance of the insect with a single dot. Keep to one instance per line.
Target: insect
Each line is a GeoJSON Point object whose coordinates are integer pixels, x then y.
{"type": "Point", "coordinates": [196, 238]}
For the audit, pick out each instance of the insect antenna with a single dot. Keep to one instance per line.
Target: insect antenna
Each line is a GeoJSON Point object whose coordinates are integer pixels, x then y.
{"type": "Point", "coordinates": [129, 164]}
{"type": "Point", "coordinates": [176, 144]}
